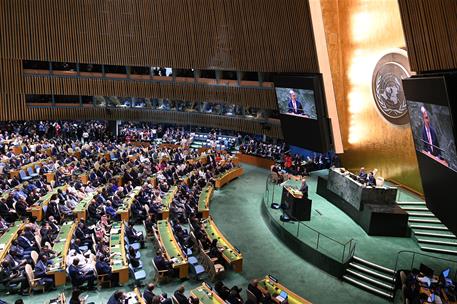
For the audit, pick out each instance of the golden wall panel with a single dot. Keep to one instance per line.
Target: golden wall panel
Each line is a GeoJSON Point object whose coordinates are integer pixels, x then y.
{"type": "Point", "coordinates": [358, 33]}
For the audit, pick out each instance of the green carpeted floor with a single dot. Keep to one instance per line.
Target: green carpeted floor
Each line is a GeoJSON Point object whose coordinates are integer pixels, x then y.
{"type": "Point", "coordinates": [237, 212]}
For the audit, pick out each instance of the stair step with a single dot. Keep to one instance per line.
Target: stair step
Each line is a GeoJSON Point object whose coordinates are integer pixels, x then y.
{"type": "Point", "coordinates": [373, 265]}
{"type": "Point", "coordinates": [422, 220]}
{"type": "Point", "coordinates": [438, 250]}
{"type": "Point", "coordinates": [433, 234]}
{"type": "Point", "coordinates": [371, 280]}
{"type": "Point", "coordinates": [411, 203]}
{"type": "Point", "coordinates": [436, 242]}
{"type": "Point", "coordinates": [414, 208]}
{"type": "Point", "coordinates": [372, 272]}
{"type": "Point", "coordinates": [429, 227]}
{"type": "Point", "coordinates": [421, 214]}
{"type": "Point", "coordinates": [368, 287]}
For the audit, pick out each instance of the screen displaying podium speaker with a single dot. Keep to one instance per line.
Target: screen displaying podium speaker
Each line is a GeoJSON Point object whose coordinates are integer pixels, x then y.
{"type": "Point", "coordinates": [433, 116]}
{"type": "Point", "coordinates": [296, 205]}
{"type": "Point", "coordinates": [431, 126]}
{"type": "Point", "coordinates": [302, 110]}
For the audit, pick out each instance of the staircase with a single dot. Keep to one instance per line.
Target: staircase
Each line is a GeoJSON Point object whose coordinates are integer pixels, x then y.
{"type": "Point", "coordinates": [372, 277]}
{"type": "Point", "coordinates": [428, 231]}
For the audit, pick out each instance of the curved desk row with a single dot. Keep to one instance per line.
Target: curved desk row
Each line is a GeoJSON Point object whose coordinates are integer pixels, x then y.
{"type": "Point", "coordinates": [7, 193]}
{"type": "Point", "coordinates": [206, 295]}
{"type": "Point", "coordinates": [84, 177]}
{"type": "Point", "coordinates": [171, 248]}
{"type": "Point", "coordinates": [61, 247]}
{"type": "Point", "coordinates": [257, 161]}
{"type": "Point", "coordinates": [15, 173]}
{"type": "Point", "coordinates": [124, 210]}
{"type": "Point", "coordinates": [274, 288]}
{"type": "Point", "coordinates": [80, 210]}
{"type": "Point", "coordinates": [228, 177]}
{"type": "Point", "coordinates": [118, 261]}
{"type": "Point", "coordinates": [203, 201]}
{"type": "Point", "coordinates": [37, 208]}
{"type": "Point", "coordinates": [230, 254]}
{"type": "Point", "coordinates": [166, 202]}
{"type": "Point", "coordinates": [8, 237]}
{"type": "Point", "coordinates": [19, 150]}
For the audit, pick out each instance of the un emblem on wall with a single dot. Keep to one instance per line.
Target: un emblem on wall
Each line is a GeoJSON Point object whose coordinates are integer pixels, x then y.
{"type": "Point", "coordinates": [387, 87]}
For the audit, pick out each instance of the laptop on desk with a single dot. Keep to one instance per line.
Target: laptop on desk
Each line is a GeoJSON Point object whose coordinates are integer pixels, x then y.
{"type": "Point", "coordinates": [448, 281]}
{"type": "Point", "coordinates": [282, 297]}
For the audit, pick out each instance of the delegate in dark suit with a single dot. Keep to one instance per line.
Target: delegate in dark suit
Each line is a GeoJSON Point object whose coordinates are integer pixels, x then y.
{"type": "Point", "coordinates": [78, 277]}
{"type": "Point", "coordinates": [298, 109]}
{"type": "Point", "coordinates": [304, 188]}
{"type": "Point", "coordinates": [182, 299]}
{"type": "Point", "coordinates": [430, 136]}
{"type": "Point", "coordinates": [148, 294]}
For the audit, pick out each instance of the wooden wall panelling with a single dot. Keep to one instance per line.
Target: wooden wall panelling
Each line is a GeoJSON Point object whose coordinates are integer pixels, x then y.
{"type": "Point", "coordinates": [202, 34]}
{"type": "Point", "coordinates": [237, 49]}
{"type": "Point", "coordinates": [441, 32]}
{"type": "Point", "coordinates": [451, 24]}
{"type": "Point", "coordinates": [430, 29]}
{"type": "Point", "coordinates": [259, 98]}
{"type": "Point", "coordinates": [222, 34]}
{"type": "Point", "coordinates": [149, 30]}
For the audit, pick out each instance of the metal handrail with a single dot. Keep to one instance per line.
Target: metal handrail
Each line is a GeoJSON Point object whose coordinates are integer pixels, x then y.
{"type": "Point", "coordinates": [414, 253]}
{"type": "Point", "coordinates": [320, 233]}
{"type": "Point", "coordinates": [350, 244]}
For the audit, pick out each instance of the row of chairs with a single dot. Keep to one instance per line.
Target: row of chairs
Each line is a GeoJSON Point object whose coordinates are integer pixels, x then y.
{"type": "Point", "coordinates": [161, 275]}
{"type": "Point", "coordinates": [214, 269]}
{"type": "Point", "coordinates": [137, 273]}
{"type": "Point", "coordinates": [34, 283]}
{"type": "Point", "coordinates": [31, 173]}
{"type": "Point", "coordinates": [195, 264]}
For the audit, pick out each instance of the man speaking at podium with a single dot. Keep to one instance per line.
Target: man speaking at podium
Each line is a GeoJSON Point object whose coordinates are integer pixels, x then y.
{"type": "Point", "coordinates": [304, 188]}
{"type": "Point", "coordinates": [429, 138]}
{"type": "Point", "coordinates": [294, 106]}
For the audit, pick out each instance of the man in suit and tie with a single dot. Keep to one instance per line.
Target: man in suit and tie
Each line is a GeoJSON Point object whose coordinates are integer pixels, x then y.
{"type": "Point", "coordinates": [134, 236]}
{"type": "Point", "coordinates": [161, 263]}
{"type": "Point", "coordinates": [103, 267]}
{"type": "Point", "coordinates": [83, 234]}
{"type": "Point", "coordinates": [371, 180]}
{"type": "Point", "coordinates": [429, 138]}
{"type": "Point", "coordinates": [25, 243]}
{"type": "Point", "coordinates": [10, 276]}
{"type": "Point", "coordinates": [40, 272]}
{"type": "Point", "coordinates": [180, 297]}
{"type": "Point", "coordinates": [304, 188]}
{"type": "Point", "coordinates": [78, 277]}
{"type": "Point", "coordinates": [75, 245]}
{"type": "Point", "coordinates": [148, 293]}
{"type": "Point", "coordinates": [294, 106]}
{"type": "Point", "coordinates": [118, 297]}
{"type": "Point", "coordinates": [363, 175]}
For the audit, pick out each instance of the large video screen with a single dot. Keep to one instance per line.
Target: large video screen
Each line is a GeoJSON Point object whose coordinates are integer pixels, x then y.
{"type": "Point", "coordinates": [297, 102]}
{"type": "Point", "coordinates": [432, 131]}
